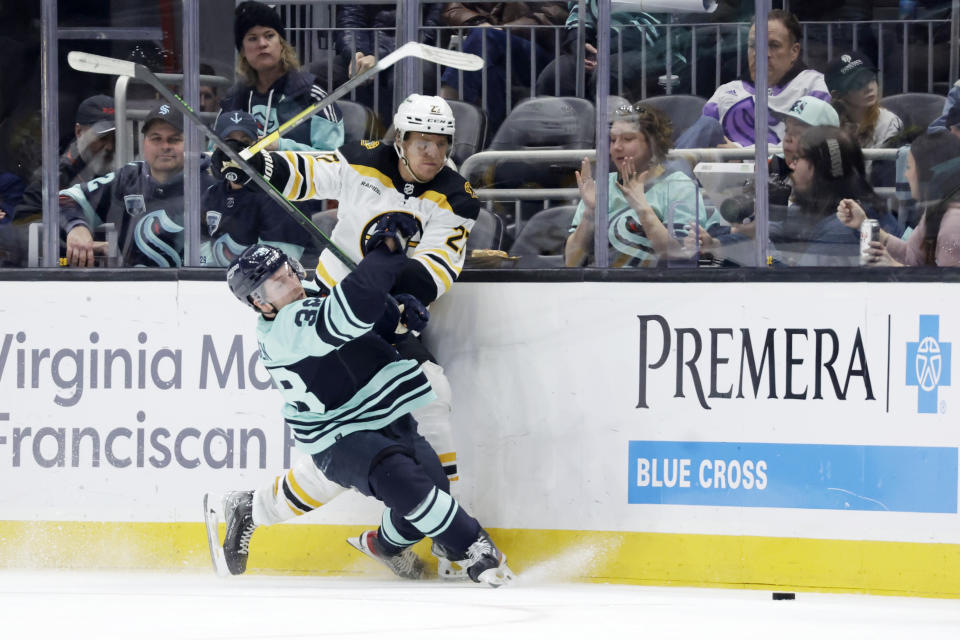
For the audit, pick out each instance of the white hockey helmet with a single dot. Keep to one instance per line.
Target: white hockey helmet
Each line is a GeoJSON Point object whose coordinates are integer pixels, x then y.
{"type": "Point", "coordinates": [426, 114]}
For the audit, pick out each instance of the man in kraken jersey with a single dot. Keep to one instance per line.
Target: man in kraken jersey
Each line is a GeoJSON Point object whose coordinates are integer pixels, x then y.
{"type": "Point", "coordinates": [348, 395]}
{"type": "Point", "coordinates": [370, 181]}
{"type": "Point", "coordinates": [144, 199]}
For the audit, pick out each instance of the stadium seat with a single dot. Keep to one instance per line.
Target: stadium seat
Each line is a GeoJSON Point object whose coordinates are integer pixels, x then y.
{"type": "Point", "coordinates": [540, 124]}
{"type": "Point", "coordinates": [541, 240]}
{"type": "Point", "coordinates": [471, 130]}
{"type": "Point", "coordinates": [682, 109]}
{"type": "Point", "coordinates": [915, 109]}
{"type": "Point", "coordinates": [359, 122]}
{"type": "Point", "coordinates": [547, 123]}
{"type": "Point", "coordinates": [487, 233]}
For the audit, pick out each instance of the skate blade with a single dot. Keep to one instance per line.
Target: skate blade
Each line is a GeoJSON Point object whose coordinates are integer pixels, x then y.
{"type": "Point", "coordinates": [212, 521]}
{"type": "Point", "coordinates": [359, 546]}
{"type": "Point", "coordinates": [498, 576]}
{"type": "Point", "coordinates": [447, 570]}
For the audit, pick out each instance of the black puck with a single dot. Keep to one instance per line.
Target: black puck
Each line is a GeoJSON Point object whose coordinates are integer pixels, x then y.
{"type": "Point", "coordinates": [781, 595]}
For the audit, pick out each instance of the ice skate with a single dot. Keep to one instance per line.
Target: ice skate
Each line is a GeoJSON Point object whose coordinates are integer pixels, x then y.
{"type": "Point", "coordinates": [485, 563]}
{"type": "Point", "coordinates": [212, 521]}
{"type": "Point", "coordinates": [448, 569]}
{"type": "Point", "coordinates": [238, 513]}
{"type": "Point", "coordinates": [405, 564]}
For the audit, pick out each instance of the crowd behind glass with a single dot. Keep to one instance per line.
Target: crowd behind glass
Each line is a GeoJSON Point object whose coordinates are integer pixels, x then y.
{"type": "Point", "coordinates": [864, 162]}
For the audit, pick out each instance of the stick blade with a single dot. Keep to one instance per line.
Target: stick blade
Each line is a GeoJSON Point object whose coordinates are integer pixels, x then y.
{"type": "Point", "coordinates": [444, 57]}
{"type": "Point", "coordinates": [92, 63]}
{"type": "Point", "coordinates": [450, 57]}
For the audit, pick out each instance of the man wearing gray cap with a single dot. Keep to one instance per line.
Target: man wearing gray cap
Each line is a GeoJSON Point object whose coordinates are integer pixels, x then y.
{"type": "Point", "coordinates": [144, 200]}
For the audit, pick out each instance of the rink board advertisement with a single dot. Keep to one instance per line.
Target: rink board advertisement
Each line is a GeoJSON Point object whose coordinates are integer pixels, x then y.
{"type": "Point", "coordinates": [650, 414]}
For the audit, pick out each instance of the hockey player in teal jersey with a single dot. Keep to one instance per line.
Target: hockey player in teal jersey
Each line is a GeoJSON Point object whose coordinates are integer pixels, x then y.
{"type": "Point", "coordinates": [348, 395]}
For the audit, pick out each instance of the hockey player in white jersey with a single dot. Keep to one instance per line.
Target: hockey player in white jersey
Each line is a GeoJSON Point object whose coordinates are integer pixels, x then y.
{"type": "Point", "coordinates": [348, 395]}
{"type": "Point", "coordinates": [371, 180]}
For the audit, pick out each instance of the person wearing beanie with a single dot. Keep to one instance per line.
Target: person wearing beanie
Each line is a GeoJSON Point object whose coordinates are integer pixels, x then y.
{"type": "Point", "coordinates": [855, 94]}
{"type": "Point", "coordinates": [273, 88]}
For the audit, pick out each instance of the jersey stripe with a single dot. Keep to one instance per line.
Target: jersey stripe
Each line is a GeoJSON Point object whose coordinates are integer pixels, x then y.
{"type": "Point", "coordinates": [376, 400]}
{"type": "Point", "coordinates": [370, 172]}
{"type": "Point", "coordinates": [442, 257]}
{"type": "Point", "coordinates": [439, 272]}
{"type": "Point", "coordinates": [302, 495]}
{"type": "Point", "coordinates": [438, 198]}
{"type": "Point", "coordinates": [396, 389]}
{"type": "Point", "coordinates": [292, 188]}
{"type": "Point", "coordinates": [324, 276]}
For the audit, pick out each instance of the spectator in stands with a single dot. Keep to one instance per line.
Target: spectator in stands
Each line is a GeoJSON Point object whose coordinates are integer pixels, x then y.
{"type": "Point", "coordinates": [209, 100]}
{"type": "Point", "coordinates": [366, 33]}
{"type": "Point", "coordinates": [728, 117]}
{"type": "Point", "coordinates": [933, 171]}
{"type": "Point", "coordinates": [490, 41]}
{"type": "Point", "coordinates": [11, 190]}
{"type": "Point", "coordinates": [953, 120]}
{"type": "Point", "coordinates": [236, 212]}
{"type": "Point", "coordinates": [628, 32]}
{"type": "Point", "coordinates": [806, 112]}
{"type": "Point", "coordinates": [143, 199]}
{"type": "Point", "coordinates": [828, 169]}
{"type": "Point", "coordinates": [953, 98]}
{"type": "Point", "coordinates": [89, 155]}
{"type": "Point", "coordinates": [740, 211]}
{"type": "Point", "coordinates": [650, 205]}
{"type": "Point", "coordinates": [855, 94]}
{"type": "Point", "coordinates": [272, 87]}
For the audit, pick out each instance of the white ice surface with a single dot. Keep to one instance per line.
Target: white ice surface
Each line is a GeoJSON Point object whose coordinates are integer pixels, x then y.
{"type": "Point", "coordinates": [146, 606]}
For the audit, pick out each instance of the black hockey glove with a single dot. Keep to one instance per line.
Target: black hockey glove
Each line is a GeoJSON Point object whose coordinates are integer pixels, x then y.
{"type": "Point", "coordinates": [413, 315]}
{"type": "Point", "coordinates": [226, 169]}
{"type": "Point", "coordinates": [394, 324]}
{"type": "Point", "coordinates": [397, 225]}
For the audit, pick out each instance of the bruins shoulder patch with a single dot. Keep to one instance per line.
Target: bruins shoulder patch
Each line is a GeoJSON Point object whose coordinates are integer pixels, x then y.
{"type": "Point", "coordinates": [370, 144]}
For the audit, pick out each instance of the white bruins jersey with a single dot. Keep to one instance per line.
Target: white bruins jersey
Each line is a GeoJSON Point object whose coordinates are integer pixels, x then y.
{"type": "Point", "coordinates": [365, 178]}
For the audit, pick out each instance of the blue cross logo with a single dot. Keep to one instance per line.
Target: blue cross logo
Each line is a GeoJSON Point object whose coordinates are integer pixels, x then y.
{"type": "Point", "coordinates": [928, 364]}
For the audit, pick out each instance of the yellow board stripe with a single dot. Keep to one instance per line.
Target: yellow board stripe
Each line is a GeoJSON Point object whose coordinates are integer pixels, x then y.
{"type": "Point", "coordinates": [303, 495]}
{"type": "Point", "coordinates": [742, 562]}
{"type": "Point", "coordinates": [448, 457]}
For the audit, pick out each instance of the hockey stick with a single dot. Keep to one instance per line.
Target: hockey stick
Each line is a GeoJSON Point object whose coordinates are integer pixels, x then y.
{"type": "Point", "coordinates": [443, 57]}
{"type": "Point", "coordinates": [91, 63]}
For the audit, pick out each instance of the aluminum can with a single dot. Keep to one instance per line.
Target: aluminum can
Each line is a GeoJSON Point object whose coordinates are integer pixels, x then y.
{"type": "Point", "coordinates": [869, 232]}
